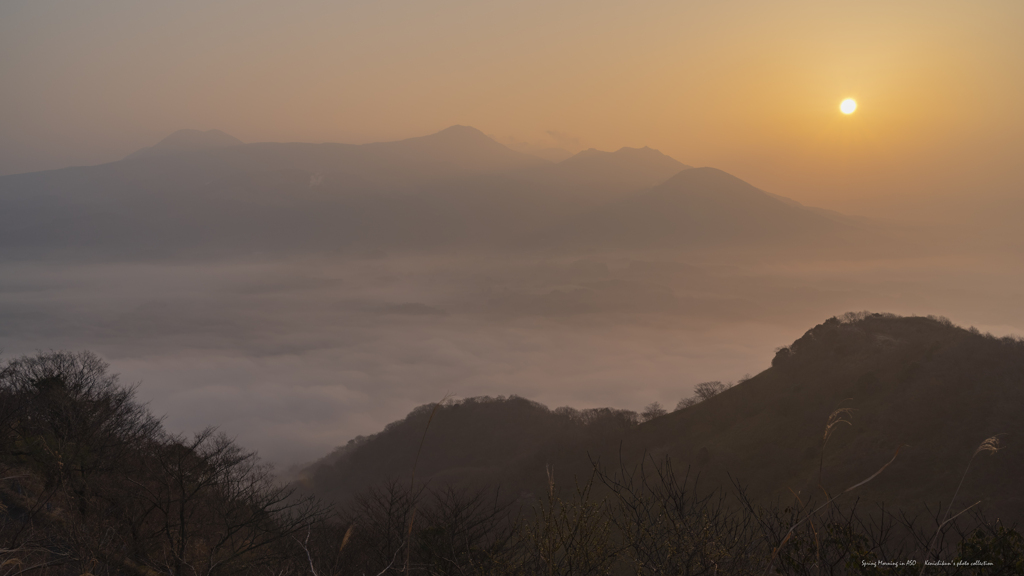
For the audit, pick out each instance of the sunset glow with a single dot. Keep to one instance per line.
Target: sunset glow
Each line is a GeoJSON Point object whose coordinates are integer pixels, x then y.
{"type": "Point", "coordinates": [536, 75]}
{"type": "Point", "coordinates": [360, 264]}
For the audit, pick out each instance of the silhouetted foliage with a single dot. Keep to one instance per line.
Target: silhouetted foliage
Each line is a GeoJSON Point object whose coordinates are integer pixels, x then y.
{"type": "Point", "coordinates": [650, 519]}
{"type": "Point", "coordinates": [506, 436]}
{"type": "Point", "coordinates": [652, 411]}
{"type": "Point", "coordinates": [90, 483]}
{"type": "Point", "coordinates": [704, 391]}
{"type": "Point", "coordinates": [686, 403]}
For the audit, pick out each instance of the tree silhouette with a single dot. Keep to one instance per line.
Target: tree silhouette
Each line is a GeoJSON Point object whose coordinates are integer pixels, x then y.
{"type": "Point", "coordinates": [652, 411]}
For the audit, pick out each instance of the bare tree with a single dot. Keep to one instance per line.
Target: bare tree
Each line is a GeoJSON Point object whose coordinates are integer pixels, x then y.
{"type": "Point", "coordinates": [73, 432]}
{"type": "Point", "coordinates": [89, 480]}
{"type": "Point", "coordinates": [652, 411]}
{"type": "Point", "coordinates": [211, 507]}
{"type": "Point", "coordinates": [706, 390]}
{"type": "Point", "coordinates": [686, 403]}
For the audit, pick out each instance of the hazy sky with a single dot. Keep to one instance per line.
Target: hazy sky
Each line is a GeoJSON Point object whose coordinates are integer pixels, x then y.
{"type": "Point", "coordinates": [296, 358]}
{"type": "Point", "coordinates": [749, 87]}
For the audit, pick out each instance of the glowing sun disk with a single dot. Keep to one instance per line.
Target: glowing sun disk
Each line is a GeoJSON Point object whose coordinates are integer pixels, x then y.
{"type": "Point", "coordinates": [848, 106]}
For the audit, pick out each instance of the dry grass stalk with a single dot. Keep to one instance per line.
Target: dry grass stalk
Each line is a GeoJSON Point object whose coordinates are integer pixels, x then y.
{"type": "Point", "coordinates": [837, 417]}
{"type": "Point", "coordinates": [792, 528]}
{"type": "Point", "coordinates": [814, 530]}
{"type": "Point", "coordinates": [990, 445]}
{"type": "Point", "coordinates": [346, 537]}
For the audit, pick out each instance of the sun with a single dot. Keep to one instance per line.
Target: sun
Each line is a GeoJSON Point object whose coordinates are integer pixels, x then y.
{"type": "Point", "coordinates": [848, 106]}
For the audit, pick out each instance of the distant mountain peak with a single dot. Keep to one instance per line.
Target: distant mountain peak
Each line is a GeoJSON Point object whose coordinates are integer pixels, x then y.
{"type": "Point", "coordinates": [188, 140]}
{"type": "Point", "coordinates": [459, 135]}
{"type": "Point", "coordinates": [627, 154]}
{"type": "Point", "coordinates": [456, 135]}
{"type": "Point", "coordinates": [588, 153]}
{"type": "Point", "coordinates": [646, 151]}
{"type": "Point", "coordinates": [461, 130]}
{"type": "Point", "coordinates": [463, 146]}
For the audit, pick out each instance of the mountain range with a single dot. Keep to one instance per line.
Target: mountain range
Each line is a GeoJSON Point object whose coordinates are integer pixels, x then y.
{"type": "Point", "coordinates": [207, 194]}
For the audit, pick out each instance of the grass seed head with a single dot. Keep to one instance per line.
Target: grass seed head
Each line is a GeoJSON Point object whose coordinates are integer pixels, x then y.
{"type": "Point", "coordinates": [840, 416]}
{"type": "Point", "coordinates": [990, 445]}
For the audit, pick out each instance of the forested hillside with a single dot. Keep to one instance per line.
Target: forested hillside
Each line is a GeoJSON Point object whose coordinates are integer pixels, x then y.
{"type": "Point", "coordinates": [91, 483]}
{"type": "Point", "coordinates": [871, 439]}
{"type": "Point", "coordinates": [921, 386]}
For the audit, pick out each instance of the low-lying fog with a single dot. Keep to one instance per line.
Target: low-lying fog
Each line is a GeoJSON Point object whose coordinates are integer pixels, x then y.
{"type": "Point", "coordinates": [296, 357]}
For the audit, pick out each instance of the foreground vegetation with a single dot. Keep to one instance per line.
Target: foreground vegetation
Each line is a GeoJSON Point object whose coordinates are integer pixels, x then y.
{"type": "Point", "coordinates": [90, 483]}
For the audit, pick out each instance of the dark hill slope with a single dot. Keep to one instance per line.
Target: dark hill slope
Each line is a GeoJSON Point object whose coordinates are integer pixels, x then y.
{"type": "Point", "coordinates": [478, 441]}
{"type": "Point", "coordinates": [921, 383]}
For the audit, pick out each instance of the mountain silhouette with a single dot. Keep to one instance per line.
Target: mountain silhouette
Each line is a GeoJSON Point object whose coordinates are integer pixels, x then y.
{"type": "Point", "coordinates": [454, 151]}
{"type": "Point", "coordinates": [703, 207]}
{"type": "Point", "coordinates": [921, 386]}
{"type": "Point", "coordinates": [462, 146]}
{"type": "Point", "coordinates": [246, 197]}
{"type": "Point", "coordinates": [593, 177]}
{"type": "Point", "coordinates": [647, 163]}
{"type": "Point", "coordinates": [187, 141]}
{"type": "Point", "coordinates": [456, 189]}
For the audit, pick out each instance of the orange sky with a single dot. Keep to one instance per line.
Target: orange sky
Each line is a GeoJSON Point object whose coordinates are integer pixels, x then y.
{"type": "Point", "coordinates": [749, 87]}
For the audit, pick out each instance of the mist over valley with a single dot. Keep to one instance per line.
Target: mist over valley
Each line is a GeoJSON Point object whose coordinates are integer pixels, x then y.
{"type": "Point", "coordinates": [300, 295]}
{"type": "Point", "coordinates": [522, 288]}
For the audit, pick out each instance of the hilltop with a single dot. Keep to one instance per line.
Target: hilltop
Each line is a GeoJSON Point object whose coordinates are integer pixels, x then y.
{"type": "Point", "coordinates": [922, 386]}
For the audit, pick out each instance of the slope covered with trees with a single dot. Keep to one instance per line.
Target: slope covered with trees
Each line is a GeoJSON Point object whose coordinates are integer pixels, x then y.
{"type": "Point", "coordinates": [922, 386]}
{"type": "Point", "coordinates": [792, 471]}
{"type": "Point", "coordinates": [90, 483]}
